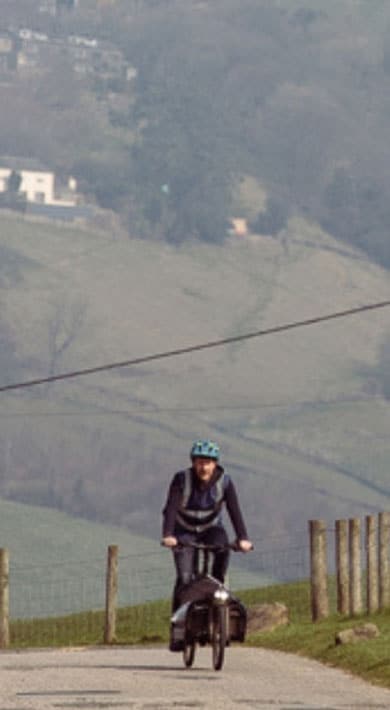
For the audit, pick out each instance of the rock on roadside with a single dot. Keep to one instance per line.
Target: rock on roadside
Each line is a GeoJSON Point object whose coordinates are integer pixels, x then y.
{"type": "Point", "coordinates": [359, 633]}
{"type": "Point", "coordinates": [266, 617]}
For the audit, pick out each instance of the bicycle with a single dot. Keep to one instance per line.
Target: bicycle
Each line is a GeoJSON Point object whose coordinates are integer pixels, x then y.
{"type": "Point", "coordinates": [208, 612]}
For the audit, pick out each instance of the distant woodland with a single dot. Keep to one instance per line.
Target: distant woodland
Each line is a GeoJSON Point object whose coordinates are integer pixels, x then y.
{"type": "Point", "coordinates": [293, 94]}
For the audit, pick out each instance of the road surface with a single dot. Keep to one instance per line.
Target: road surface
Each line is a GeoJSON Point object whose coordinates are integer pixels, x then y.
{"type": "Point", "coordinates": [155, 679]}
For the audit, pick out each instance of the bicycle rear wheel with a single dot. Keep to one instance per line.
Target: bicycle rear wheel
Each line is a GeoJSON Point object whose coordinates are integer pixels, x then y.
{"type": "Point", "coordinates": [219, 636]}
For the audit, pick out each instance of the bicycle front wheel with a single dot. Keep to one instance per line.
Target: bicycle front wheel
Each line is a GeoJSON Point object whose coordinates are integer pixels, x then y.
{"type": "Point", "coordinates": [219, 636]}
{"type": "Point", "coordinates": [189, 653]}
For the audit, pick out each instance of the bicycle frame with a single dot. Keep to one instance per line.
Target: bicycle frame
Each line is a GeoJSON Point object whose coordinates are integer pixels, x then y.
{"type": "Point", "coordinates": [209, 612]}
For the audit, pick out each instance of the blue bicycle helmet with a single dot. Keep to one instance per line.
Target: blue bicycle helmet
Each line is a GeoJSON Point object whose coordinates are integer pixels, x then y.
{"type": "Point", "coordinates": [205, 449]}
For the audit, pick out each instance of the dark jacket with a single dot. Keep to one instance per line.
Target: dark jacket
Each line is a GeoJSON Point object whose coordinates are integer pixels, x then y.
{"type": "Point", "coordinates": [202, 498]}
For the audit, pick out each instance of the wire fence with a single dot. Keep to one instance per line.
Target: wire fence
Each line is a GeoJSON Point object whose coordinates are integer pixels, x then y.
{"type": "Point", "coordinates": [67, 603]}
{"type": "Point", "coordinates": [70, 587]}
{"type": "Point", "coordinates": [56, 589]}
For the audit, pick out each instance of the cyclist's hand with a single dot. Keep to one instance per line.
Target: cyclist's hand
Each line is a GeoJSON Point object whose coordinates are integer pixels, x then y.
{"type": "Point", "coordinates": [245, 545]}
{"type": "Point", "coordinates": [169, 541]}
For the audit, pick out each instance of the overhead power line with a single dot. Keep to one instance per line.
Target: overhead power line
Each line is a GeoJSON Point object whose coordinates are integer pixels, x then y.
{"type": "Point", "coordinates": [150, 410]}
{"type": "Point", "coordinates": [196, 348]}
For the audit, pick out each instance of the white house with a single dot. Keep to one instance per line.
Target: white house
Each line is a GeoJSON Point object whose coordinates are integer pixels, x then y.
{"type": "Point", "coordinates": [37, 186]}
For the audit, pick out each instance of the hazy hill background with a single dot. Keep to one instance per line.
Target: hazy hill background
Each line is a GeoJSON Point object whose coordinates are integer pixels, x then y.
{"type": "Point", "coordinates": [291, 94]}
{"type": "Point", "coordinates": [275, 112]}
{"type": "Point", "coordinates": [302, 418]}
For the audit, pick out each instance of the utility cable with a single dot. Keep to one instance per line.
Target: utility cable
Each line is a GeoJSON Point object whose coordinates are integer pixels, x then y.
{"type": "Point", "coordinates": [150, 410]}
{"type": "Point", "coordinates": [196, 348]}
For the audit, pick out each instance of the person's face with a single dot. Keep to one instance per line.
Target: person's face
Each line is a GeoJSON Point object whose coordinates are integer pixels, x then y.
{"type": "Point", "coordinates": [204, 468]}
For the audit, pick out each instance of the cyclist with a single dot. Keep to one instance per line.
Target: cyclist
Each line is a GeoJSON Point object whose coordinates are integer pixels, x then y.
{"type": "Point", "coordinates": [193, 513]}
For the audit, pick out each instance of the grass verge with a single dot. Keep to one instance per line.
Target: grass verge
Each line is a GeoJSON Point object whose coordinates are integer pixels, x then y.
{"type": "Point", "coordinates": [368, 659]}
{"type": "Point", "coordinates": [149, 623]}
{"type": "Point", "coordinates": [144, 623]}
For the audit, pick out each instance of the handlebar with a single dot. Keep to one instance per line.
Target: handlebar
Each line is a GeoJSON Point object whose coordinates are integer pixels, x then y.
{"type": "Point", "coordinates": [213, 548]}
{"type": "Point", "coordinates": [203, 546]}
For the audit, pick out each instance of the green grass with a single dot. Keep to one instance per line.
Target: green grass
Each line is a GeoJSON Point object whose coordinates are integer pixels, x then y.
{"type": "Point", "coordinates": [136, 624]}
{"type": "Point", "coordinates": [149, 623]}
{"type": "Point", "coordinates": [367, 659]}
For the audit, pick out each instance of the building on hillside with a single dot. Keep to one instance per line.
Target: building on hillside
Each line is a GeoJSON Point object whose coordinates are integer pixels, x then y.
{"type": "Point", "coordinates": [55, 7]}
{"type": "Point", "coordinates": [239, 227]}
{"type": "Point", "coordinates": [35, 51]}
{"type": "Point", "coordinates": [37, 184]}
{"type": "Point", "coordinates": [89, 57]}
{"type": "Point", "coordinates": [47, 7]}
{"type": "Point", "coordinates": [66, 5]}
{"type": "Point", "coordinates": [9, 46]}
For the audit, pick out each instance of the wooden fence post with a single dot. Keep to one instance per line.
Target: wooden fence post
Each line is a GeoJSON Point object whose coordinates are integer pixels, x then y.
{"type": "Point", "coordinates": [384, 579]}
{"type": "Point", "coordinates": [4, 599]}
{"type": "Point", "coordinates": [318, 570]}
{"type": "Point", "coordinates": [111, 594]}
{"type": "Point", "coordinates": [355, 575]}
{"type": "Point", "coordinates": [372, 564]}
{"type": "Point", "coordinates": [342, 567]}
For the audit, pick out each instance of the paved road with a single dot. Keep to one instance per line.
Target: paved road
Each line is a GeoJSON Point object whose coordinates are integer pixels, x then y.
{"type": "Point", "coordinates": [154, 679]}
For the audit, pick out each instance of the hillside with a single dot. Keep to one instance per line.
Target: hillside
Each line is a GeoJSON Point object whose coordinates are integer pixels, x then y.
{"type": "Point", "coordinates": [301, 417]}
{"type": "Point", "coordinates": [176, 103]}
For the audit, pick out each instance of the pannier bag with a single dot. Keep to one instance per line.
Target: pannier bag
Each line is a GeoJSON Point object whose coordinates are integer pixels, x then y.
{"type": "Point", "coordinates": [193, 612]}
{"type": "Point", "coordinates": [178, 625]}
{"type": "Point", "coordinates": [237, 620]}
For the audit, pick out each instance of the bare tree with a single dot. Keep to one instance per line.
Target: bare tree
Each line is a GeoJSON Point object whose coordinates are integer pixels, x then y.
{"type": "Point", "coordinates": [64, 328]}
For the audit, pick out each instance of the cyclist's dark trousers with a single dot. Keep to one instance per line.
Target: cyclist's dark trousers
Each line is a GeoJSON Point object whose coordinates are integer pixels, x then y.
{"type": "Point", "coordinates": [184, 558]}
